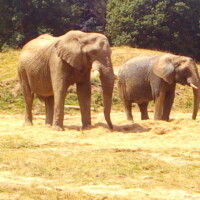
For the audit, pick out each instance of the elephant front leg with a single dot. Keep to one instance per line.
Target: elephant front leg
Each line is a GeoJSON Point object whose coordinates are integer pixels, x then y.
{"type": "Point", "coordinates": [159, 102]}
{"type": "Point", "coordinates": [28, 98]}
{"type": "Point", "coordinates": [84, 98]}
{"type": "Point", "coordinates": [58, 118]}
{"type": "Point", "coordinates": [60, 90]}
{"type": "Point", "coordinates": [169, 99]}
{"type": "Point", "coordinates": [49, 105]}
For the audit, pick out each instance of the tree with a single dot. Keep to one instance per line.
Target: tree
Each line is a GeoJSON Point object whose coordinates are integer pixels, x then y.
{"type": "Point", "coordinates": [22, 20]}
{"type": "Point", "coordinates": [94, 15]}
{"type": "Point", "coordinates": [171, 25]}
{"type": "Point", "coordinates": [30, 18]}
{"type": "Point", "coordinates": [6, 26]}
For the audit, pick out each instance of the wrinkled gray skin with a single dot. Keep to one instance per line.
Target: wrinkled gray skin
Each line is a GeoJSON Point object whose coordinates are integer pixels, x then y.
{"type": "Point", "coordinates": [49, 65]}
{"type": "Point", "coordinates": [143, 79]}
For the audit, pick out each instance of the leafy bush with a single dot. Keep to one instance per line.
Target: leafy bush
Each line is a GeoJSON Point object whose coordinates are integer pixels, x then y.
{"type": "Point", "coordinates": [71, 99]}
{"type": "Point", "coordinates": [168, 25]}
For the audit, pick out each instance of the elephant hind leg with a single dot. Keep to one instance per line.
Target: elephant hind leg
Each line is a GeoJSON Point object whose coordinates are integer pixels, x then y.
{"type": "Point", "coordinates": [124, 98]}
{"type": "Point", "coordinates": [49, 106]}
{"type": "Point", "coordinates": [84, 99]}
{"type": "Point", "coordinates": [128, 110]}
{"type": "Point", "coordinates": [143, 110]}
{"type": "Point", "coordinates": [28, 97]}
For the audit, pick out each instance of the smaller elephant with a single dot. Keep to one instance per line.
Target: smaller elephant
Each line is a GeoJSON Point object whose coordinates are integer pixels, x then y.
{"type": "Point", "coordinates": [143, 79]}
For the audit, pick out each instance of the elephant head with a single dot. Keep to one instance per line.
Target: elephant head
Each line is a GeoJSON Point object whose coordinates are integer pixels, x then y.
{"type": "Point", "coordinates": [179, 69]}
{"type": "Point", "coordinates": [83, 51]}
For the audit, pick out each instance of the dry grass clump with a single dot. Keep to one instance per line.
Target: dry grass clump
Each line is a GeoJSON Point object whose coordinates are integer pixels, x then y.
{"type": "Point", "coordinates": [162, 128]}
{"type": "Point", "coordinates": [131, 162]}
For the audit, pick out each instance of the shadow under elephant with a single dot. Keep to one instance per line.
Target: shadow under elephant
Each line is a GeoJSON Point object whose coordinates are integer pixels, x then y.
{"type": "Point", "coordinates": [125, 128]}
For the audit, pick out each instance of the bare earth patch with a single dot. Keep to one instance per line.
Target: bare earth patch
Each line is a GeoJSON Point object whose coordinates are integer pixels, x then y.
{"type": "Point", "coordinates": [147, 160]}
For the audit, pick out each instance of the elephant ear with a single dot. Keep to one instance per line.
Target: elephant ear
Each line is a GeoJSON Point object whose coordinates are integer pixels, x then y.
{"type": "Point", "coordinates": [69, 49]}
{"type": "Point", "coordinates": [163, 67]}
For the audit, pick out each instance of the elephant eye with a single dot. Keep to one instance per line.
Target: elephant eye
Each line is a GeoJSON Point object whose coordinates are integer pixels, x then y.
{"type": "Point", "coordinates": [94, 52]}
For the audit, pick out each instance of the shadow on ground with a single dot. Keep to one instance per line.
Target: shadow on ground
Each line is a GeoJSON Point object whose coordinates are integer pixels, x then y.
{"type": "Point", "coordinates": [131, 128]}
{"type": "Point", "coordinates": [125, 128]}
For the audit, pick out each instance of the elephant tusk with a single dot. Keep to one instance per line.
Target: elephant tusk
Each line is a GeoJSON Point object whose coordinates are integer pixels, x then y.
{"type": "Point", "coordinates": [96, 73]}
{"type": "Point", "coordinates": [193, 86]}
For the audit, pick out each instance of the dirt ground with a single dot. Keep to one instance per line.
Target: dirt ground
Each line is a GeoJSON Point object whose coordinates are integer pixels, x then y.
{"type": "Point", "coordinates": [176, 143]}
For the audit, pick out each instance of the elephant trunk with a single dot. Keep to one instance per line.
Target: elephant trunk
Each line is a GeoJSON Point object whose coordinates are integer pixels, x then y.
{"type": "Point", "coordinates": [196, 92]}
{"type": "Point", "coordinates": [107, 78]}
{"type": "Point", "coordinates": [194, 82]}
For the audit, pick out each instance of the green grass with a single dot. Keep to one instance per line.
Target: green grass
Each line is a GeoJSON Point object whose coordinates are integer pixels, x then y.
{"type": "Point", "coordinates": [8, 64]}
{"type": "Point", "coordinates": [15, 142]}
{"type": "Point", "coordinates": [36, 193]}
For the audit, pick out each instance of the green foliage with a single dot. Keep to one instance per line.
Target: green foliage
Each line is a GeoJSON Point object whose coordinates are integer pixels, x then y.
{"type": "Point", "coordinates": [21, 20]}
{"type": "Point", "coordinates": [8, 100]}
{"type": "Point", "coordinates": [95, 82]}
{"type": "Point", "coordinates": [97, 100]}
{"type": "Point", "coordinates": [71, 99]}
{"type": "Point", "coordinates": [171, 25]}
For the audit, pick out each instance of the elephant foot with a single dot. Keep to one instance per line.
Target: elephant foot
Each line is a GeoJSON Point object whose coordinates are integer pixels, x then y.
{"type": "Point", "coordinates": [165, 118]}
{"type": "Point", "coordinates": [58, 128]}
{"type": "Point", "coordinates": [129, 118]}
{"type": "Point", "coordinates": [86, 127]}
{"type": "Point", "coordinates": [131, 121]}
{"type": "Point", "coordinates": [110, 126]}
{"type": "Point", "coordinates": [144, 118]}
{"type": "Point", "coordinates": [158, 118]}
{"type": "Point", "coordinates": [48, 125]}
{"type": "Point", "coordinates": [28, 123]}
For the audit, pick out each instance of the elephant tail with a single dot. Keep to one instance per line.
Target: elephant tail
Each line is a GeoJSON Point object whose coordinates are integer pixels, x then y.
{"type": "Point", "coordinates": [122, 88]}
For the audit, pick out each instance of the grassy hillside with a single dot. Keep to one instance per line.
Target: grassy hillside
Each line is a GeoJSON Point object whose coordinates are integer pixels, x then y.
{"type": "Point", "coordinates": [9, 59]}
{"type": "Point", "coordinates": [124, 53]}
{"type": "Point", "coordinates": [11, 97]}
{"type": "Point", "coordinates": [8, 64]}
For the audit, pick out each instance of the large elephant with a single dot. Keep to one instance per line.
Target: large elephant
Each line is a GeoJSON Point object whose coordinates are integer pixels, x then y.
{"type": "Point", "coordinates": [49, 65]}
{"type": "Point", "coordinates": [147, 78]}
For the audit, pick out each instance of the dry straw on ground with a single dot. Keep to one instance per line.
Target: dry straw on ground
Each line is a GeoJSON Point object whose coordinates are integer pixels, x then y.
{"type": "Point", "coordinates": [134, 161]}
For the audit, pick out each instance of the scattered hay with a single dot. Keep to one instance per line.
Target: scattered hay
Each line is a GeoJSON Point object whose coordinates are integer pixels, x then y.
{"type": "Point", "coordinates": [160, 130]}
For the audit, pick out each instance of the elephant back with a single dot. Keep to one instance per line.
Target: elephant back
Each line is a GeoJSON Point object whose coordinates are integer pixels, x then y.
{"type": "Point", "coordinates": [41, 42]}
